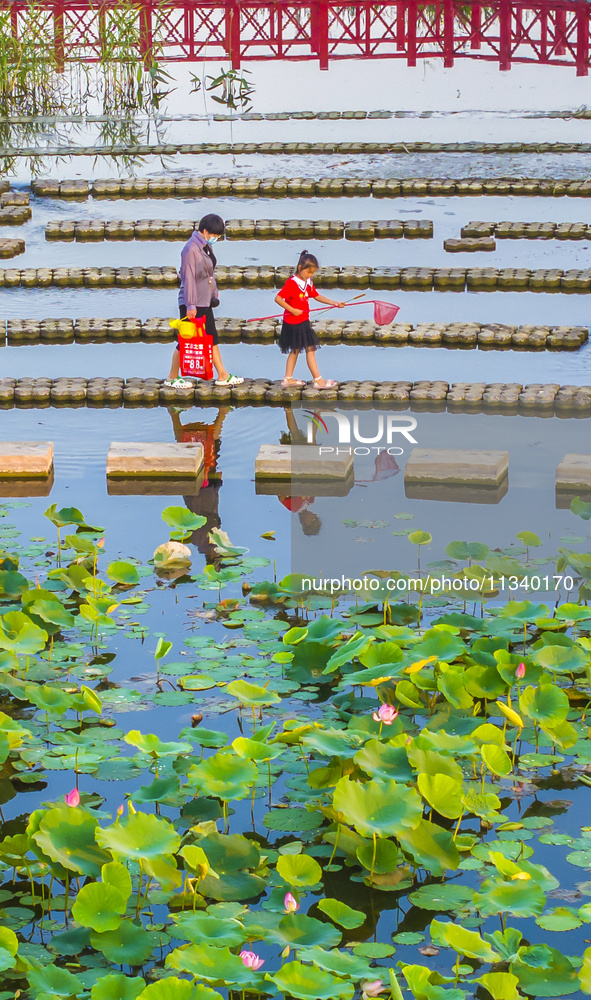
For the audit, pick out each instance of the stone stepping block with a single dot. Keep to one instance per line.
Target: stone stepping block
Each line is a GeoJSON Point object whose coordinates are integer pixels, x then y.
{"type": "Point", "coordinates": [11, 248]}
{"type": "Point", "coordinates": [574, 471]}
{"type": "Point", "coordinates": [449, 465]}
{"type": "Point", "coordinates": [154, 486]}
{"type": "Point", "coordinates": [303, 462]}
{"type": "Point", "coordinates": [25, 459]}
{"type": "Point", "coordinates": [471, 244]}
{"type": "Point", "coordinates": [156, 459]}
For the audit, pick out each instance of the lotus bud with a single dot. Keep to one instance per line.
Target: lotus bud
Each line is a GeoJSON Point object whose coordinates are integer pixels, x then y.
{"type": "Point", "coordinates": [520, 672]}
{"type": "Point", "coordinates": [119, 811]}
{"type": "Point", "coordinates": [385, 714]}
{"type": "Point", "coordinates": [285, 952]}
{"type": "Point", "coordinates": [290, 903]}
{"type": "Point", "coordinates": [72, 798]}
{"type": "Point", "coordinates": [408, 741]}
{"type": "Point", "coordinates": [251, 960]}
{"type": "Point", "coordinates": [372, 989]}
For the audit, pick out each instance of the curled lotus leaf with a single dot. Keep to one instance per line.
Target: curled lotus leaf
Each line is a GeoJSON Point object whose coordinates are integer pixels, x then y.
{"type": "Point", "coordinates": [68, 836]}
{"type": "Point", "coordinates": [256, 750]}
{"type": "Point", "coordinates": [384, 761]}
{"type": "Point", "coordinates": [123, 572]}
{"type": "Point", "coordinates": [558, 979]}
{"type": "Point", "coordinates": [561, 659]}
{"type": "Point", "coordinates": [299, 930]}
{"type": "Point", "coordinates": [18, 634]}
{"type": "Point", "coordinates": [139, 835]}
{"type": "Point", "coordinates": [307, 982]}
{"type": "Point", "coordinates": [153, 745]}
{"type": "Point", "coordinates": [340, 963]}
{"type": "Point", "coordinates": [464, 941]}
{"type": "Point", "coordinates": [384, 808]}
{"type": "Point", "coordinates": [520, 898]}
{"type": "Point", "coordinates": [172, 988]}
{"type": "Point", "coordinates": [341, 914]}
{"type": "Point", "coordinates": [500, 985]}
{"type": "Point", "coordinates": [444, 794]}
{"type": "Point", "coordinates": [547, 704]}
{"type": "Point", "coordinates": [252, 695]}
{"type": "Point", "coordinates": [53, 981]}
{"type": "Point", "coordinates": [431, 847]}
{"type": "Point", "coordinates": [116, 986]}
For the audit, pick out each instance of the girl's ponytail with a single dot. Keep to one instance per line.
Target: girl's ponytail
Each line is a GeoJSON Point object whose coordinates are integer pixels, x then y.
{"type": "Point", "coordinates": [306, 260]}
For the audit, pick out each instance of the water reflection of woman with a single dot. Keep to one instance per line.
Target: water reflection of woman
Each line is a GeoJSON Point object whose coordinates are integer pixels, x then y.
{"type": "Point", "coordinates": [206, 501]}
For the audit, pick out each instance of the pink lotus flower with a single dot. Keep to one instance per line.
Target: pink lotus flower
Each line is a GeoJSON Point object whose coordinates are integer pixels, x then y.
{"type": "Point", "coordinates": [290, 903]}
{"type": "Point", "coordinates": [72, 798]}
{"type": "Point", "coordinates": [520, 672]}
{"type": "Point", "coordinates": [385, 714]}
{"type": "Point", "coordinates": [372, 989]}
{"type": "Point", "coordinates": [251, 960]}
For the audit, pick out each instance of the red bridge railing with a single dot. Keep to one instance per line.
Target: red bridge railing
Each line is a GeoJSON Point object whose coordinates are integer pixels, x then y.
{"type": "Point", "coordinates": [548, 33]}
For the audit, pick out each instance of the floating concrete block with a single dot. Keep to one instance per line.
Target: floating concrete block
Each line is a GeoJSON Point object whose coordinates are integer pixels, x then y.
{"type": "Point", "coordinates": [29, 487]}
{"type": "Point", "coordinates": [24, 459]}
{"type": "Point", "coordinates": [303, 462]}
{"type": "Point", "coordinates": [149, 486]}
{"type": "Point", "coordinates": [456, 492]}
{"type": "Point", "coordinates": [574, 471]}
{"type": "Point", "coordinates": [447, 465]}
{"type": "Point", "coordinates": [157, 459]}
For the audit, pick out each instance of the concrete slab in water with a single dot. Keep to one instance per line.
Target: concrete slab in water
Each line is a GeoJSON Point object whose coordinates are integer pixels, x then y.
{"type": "Point", "coordinates": [448, 465]}
{"type": "Point", "coordinates": [574, 471]}
{"type": "Point", "coordinates": [20, 459]}
{"type": "Point", "coordinates": [301, 461]}
{"type": "Point", "coordinates": [457, 492]}
{"type": "Point", "coordinates": [158, 459]}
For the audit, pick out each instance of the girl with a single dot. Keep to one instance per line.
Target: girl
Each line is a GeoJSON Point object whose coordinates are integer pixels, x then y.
{"type": "Point", "coordinates": [296, 333]}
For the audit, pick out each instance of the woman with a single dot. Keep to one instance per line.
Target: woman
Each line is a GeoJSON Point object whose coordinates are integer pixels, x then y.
{"type": "Point", "coordinates": [198, 296]}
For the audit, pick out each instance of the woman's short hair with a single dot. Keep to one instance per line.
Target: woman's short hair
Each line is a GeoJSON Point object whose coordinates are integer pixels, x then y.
{"type": "Point", "coordinates": [213, 224]}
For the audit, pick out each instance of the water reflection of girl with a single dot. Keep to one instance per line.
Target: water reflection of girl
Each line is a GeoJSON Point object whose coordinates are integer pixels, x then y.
{"type": "Point", "coordinates": [206, 501]}
{"type": "Point", "coordinates": [309, 520]}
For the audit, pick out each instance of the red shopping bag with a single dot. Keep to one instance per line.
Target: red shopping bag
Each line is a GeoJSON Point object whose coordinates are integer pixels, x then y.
{"type": "Point", "coordinates": [196, 349]}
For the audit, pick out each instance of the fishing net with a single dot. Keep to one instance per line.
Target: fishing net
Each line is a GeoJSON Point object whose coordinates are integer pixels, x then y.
{"type": "Point", "coordinates": [384, 312]}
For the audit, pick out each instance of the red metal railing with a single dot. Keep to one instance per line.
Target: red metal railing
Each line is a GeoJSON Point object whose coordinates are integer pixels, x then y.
{"type": "Point", "coordinates": [548, 33]}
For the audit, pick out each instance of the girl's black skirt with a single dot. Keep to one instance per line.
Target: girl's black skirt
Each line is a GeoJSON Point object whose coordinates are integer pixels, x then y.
{"type": "Point", "coordinates": [297, 337]}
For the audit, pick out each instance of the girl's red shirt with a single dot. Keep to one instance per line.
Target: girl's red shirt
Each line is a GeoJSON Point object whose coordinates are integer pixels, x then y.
{"type": "Point", "coordinates": [297, 293]}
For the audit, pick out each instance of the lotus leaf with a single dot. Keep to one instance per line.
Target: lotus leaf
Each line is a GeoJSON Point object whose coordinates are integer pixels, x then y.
{"type": "Point", "coordinates": [561, 659]}
{"type": "Point", "coordinates": [573, 612]}
{"type": "Point", "coordinates": [229, 853]}
{"type": "Point", "coordinates": [585, 972]}
{"type": "Point", "coordinates": [483, 804]}
{"type": "Point", "coordinates": [153, 744]}
{"type": "Point", "coordinates": [382, 808]}
{"type": "Point", "coordinates": [292, 819]}
{"type": "Point", "coordinates": [442, 897]}
{"type": "Point", "coordinates": [424, 984]}
{"type": "Point", "coordinates": [18, 634]}
{"type": "Point", "coordinates": [385, 859]}
{"type": "Point", "coordinates": [161, 790]}
{"type": "Point", "coordinates": [256, 750]}
{"type": "Point", "coordinates": [116, 986]}
{"type": "Point", "coordinates": [546, 704]}
{"type": "Point", "coordinates": [232, 888]}
{"type": "Point", "coordinates": [496, 759]}
{"type": "Point", "coordinates": [310, 983]}
{"type": "Point", "coordinates": [299, 870]}
{"type": "Point", "coordinates": [52, 981]}
{"type": "Point", "coordinates": [68, 836]}
{"type": "Point", "coordinates": [223, 775]}
{"type": "Point", "coordinates": [443, 645]}
{"type": "Point", "coordinates": [53, 612]}
{"type": "Point", "coordinates": [252, 695]}
{"type": "Point", "coordinates": [431, 762]}
{"type": "Point", "coordinates": [467, 550]}
{"type": "Point", "coordinates": [563, 918]}
{"type": "Point", "coordinates": [451, 684]}
{"type": "Point", "coordinates": [172, 988]}
{"type": "Point", "coordinates": [520, 898]}
{"type": "Point", "coordinates": [130, 944]}
{"type": "Point", "coordinates": [347, 652]}
{"type": "Point", "coordinates": [71, 942]}
{"type": "Point", "coordinates": [381, 760]}
{"type": "Point", "coordinates": [444, 794]}
{"type": "Point", "coordinates": [298, 930]}
{"type": "Point", "coordinates": [559, 979]}
{"type": "Point", "coordinates": [500, 985]}
{"type": "Point", "coordinates": [431, 847]}
{"type": "Point", "coordinates": [343, 915]}
{"type": "Point", "coordinates": [332, 742]}
{"type": "Point", "coordinates": [201, 928]}
{"type": "Point", "coordinates": [340, 963]}
{"type": "Point", "coordinates": [214, 965]}
{"type": "Point", "coordinates": [118, 876]}
{"type": "Point", "coordinates": [99, 906]}
{"type": "Point", "coordinates": [139, 835]}
{"type": "Point", "coordinates": [464, 941]}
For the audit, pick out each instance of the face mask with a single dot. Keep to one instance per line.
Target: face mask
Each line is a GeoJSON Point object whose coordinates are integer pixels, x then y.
{"type": "Point", "coordinates": [213, 239]}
